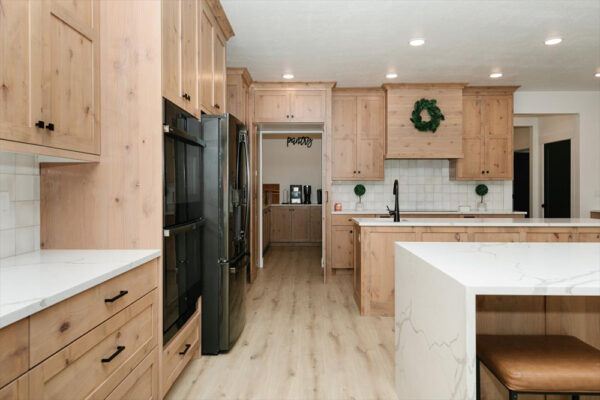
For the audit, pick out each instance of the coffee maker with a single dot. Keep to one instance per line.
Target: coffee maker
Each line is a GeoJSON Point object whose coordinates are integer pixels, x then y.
{"type": "Point", "coordinates": [306, 189]}
{"type": "Point", "coordinates": [295, 194]}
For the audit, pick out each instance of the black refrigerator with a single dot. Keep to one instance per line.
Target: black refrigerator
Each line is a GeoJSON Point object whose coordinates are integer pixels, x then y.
{"type": "Point", "coordinates": [226, 231]}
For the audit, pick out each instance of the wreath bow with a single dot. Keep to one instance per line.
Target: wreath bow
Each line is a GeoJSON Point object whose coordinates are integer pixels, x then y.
{"type": "Point", "coordinates": [434, 112]}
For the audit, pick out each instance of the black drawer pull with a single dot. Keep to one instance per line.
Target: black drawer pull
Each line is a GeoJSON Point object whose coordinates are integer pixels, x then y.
{"type": "Point", "coordinates": [40, 124]}
{"type": "Point", "coordinates": [217, 106]}
{"type": "Point", "coordinates": [187, 347]}
{"type": "Point", "coordinates": [121, 294]}
{"type": "Point", "coordinates": [116, 353]}
{"type": "Point", "coordinates": [50, 127]}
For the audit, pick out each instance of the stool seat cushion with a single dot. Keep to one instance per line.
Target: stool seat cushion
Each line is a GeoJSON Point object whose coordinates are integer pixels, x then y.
{"type": "Point", "coordinates": [538, 363]}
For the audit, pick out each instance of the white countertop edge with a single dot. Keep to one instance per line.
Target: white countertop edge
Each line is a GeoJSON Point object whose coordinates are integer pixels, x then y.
{"type": "Point", "coordinates": [37, 305]}
{"type": "Point", "coordinates": [474, 212]}
{"type": "Point", "coordinates": [498, 222]}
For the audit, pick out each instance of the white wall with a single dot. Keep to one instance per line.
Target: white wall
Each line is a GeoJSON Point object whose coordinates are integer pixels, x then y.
{"type": "Point", "coordinates": [422, 185]}
{"type": "Point", "coordinates": [586, 105]}
{"type": "Point", "coordinates": [19, 204]}
{"type": "Point", "coordinates": [293, 165]}
{"type": "Point", "coordinates": [522, 138]}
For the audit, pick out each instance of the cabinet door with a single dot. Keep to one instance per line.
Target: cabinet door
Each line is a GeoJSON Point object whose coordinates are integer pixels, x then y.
{"type": "Point", "coordinates": [472, 165]}
{"type": "Point", "coordinates": [344, 137]}
{"type": "Point", "coordinates": [370, 121]}
{"type": "Point", "coordinates": [265, 227]}
{"type": "Point", "coordinates": [16, 390]}
{"type": "Point", "coordinates": [342, 246]}
{"type": "Point", "coordinates": [300, 224]}
{"type": "Point", "coordinates": [498, 130]}
{"type": "Point", "coordinates": [220, 71]}
{"type": "Point", "coordinates": [71, 78]}
{"type": "Point", "coordinates": [281, 224]}
{"type": "Point", "coordinates": [316, 229]}
{"type": "Point", "coordinates": [308, 106]}
{"type": "Point", "coordinates": [207, 65]}
{"type": "Point", "coordinates": [189, 54]}
{"type": "Point", "coordinates": [271, 106]}
{"type": "Point", "coordinates": [19, 81]}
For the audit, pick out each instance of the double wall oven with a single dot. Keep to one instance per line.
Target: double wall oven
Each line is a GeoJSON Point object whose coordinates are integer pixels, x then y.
{"type": "Point", "coordinates": [182, 217]}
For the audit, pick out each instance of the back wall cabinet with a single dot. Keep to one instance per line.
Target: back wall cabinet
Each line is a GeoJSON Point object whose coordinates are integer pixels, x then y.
{"type": "Point", "coordinates": [51, 94]}
{"type": "Point", "coordinates": [287, 103]}
{"type": "Point", "coordinates": [358, 117]}
{"type": "Point", "coordinates": [487, 134]}
{"type": "Point", "coordinates": [238, 92]}
{"type": "Point", "coordinates": [406, 141]}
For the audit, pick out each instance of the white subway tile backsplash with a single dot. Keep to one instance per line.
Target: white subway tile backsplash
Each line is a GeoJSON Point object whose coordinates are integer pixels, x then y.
{"type": "Point", "coordinates": [19, 204]}
{"type": "Point", "coordinates": [423, 185]}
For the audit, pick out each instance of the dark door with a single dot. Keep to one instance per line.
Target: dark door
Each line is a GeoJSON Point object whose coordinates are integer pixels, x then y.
{"type": "Point", "coordinates": [521, 182]}
{"type": "Point", "coordinates": [557, 179]}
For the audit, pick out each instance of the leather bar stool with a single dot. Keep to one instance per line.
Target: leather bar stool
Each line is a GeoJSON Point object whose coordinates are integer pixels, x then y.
{"type": "Point", "coordinates": [539, 364]}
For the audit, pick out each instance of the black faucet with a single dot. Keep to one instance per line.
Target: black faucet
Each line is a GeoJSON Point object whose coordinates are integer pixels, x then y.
{"type": "Point", "coordinates": [396, 211]}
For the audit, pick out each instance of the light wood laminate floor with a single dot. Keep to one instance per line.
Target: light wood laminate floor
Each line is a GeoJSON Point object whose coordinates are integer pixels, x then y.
{"type": "Point", "coordinates": [303, 340]}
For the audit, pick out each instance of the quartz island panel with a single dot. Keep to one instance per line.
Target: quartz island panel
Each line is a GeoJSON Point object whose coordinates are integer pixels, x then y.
{"type": "Point", "coordinates": [436, 289]}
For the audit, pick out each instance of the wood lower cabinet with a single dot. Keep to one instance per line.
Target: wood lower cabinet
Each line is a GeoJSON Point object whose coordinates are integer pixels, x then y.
{"type": "Point", "coordinates": [294, 224]}
{"type": "Point", "coordinates": [141, 383]}
{"type": "Point", "coordinates": [16, 390]}
{"type": "Point", "coordinates": [180, 351]}
{"type": "Point", "coordinates": [487, 135]}
{"type": "Point", "coordinates": [51, 94]}
{"type": "Point", "coordinates": [288, 103]}
{"type": "Point", "coordinates": [358, 134]}
{"type": "Point", "coordinates": [316, 224]}
{"type": "Point", "coordinates": [14, 351]}
{"type": "Point", "coordinates": [342, 243]}
{"type": "Point", "coordinates": [266, 229]}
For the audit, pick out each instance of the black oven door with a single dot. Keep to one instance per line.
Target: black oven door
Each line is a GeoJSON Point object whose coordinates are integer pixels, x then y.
{"type": "Point", "coordinates": [182, 179]}
{"type": "Point", "coordinates": [182, 275]}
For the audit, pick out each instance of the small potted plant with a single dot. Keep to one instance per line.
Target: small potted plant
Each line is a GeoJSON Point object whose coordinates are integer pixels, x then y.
{"type": "Point", "coordinates": [481, 190]}
{"type": "Point", "coordinates": [359, 190]}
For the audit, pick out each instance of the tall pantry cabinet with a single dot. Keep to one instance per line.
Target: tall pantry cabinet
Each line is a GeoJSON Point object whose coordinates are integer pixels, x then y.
{"type": "Point", "coordinates": [194, 40]}
{"type": "Point", "coordinates": [50, 76]}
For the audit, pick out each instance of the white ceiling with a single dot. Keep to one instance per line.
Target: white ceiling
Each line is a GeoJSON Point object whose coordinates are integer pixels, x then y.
{"type": "Point", "coordinates": [357, 42]}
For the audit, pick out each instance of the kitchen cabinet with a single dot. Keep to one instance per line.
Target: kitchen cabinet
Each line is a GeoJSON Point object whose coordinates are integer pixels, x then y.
{"type": "Point", "coordinates": [51, 93]}
{"type": "Point", "coordinates": [266, 229]}
{"type": "Point", "coordinates": [180, 350]}
{"type": "Point", "coordinates": [300, 224]}
{"type": "Point", "coordinates": [180, 53]}
{"type": "Point", "coordinates": [358, 134]}
{"type": "Point", "coordinates": [487, 135]}
{"type": "Point", "coordinates": [403, 140]}
{"type": "Point", "coordinates": [238, 91]}
{"type": "Point", "coordinates": [316, 224]}
{"type": "Point", "coordinates": [14, 350]}
{"type": "Point", "coordinates": [281, 224]}
{"type": "Point", "coordinates": [294, 224]}
{"type": "Point", "coordinates": [343, 247]}
{"type": "Point", "coordinates": [280, 104]}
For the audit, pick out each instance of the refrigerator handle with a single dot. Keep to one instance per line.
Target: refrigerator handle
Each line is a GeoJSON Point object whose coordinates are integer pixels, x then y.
{"type": "Point", "coordinates": [244, 137]}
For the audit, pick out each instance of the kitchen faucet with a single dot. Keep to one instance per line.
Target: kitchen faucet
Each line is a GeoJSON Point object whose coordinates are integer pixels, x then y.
{"type": "Point", "coordinates": [396, 211]}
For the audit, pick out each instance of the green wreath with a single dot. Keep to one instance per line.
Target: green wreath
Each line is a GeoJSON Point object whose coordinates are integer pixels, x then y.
{"type": "Point", "coordinates": [434, 112]}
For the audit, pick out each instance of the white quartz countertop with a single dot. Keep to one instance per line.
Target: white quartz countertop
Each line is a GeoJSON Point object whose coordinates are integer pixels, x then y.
{"type": "Point", "coordinates": [531, 222]}
{"type": "Point", "coordinates": [515, 268]}
{"type": "Point", "coordinates": [436, 212]}
{"type": "Point", "coordinates": [34, 281]}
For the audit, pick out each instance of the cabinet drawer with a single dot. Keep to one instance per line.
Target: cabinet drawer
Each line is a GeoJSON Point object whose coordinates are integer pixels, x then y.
{"type": "Point", "coordinates": [179, 351]}
{"type": "Point", "coordinates": [57, 326]}
{"type": "Point", "coordinates": [141, 383]}
{"type": "Point", "coordinates": [14, 350]}
{"type": "Point", "coordinates": [16, 390]}
{"type": "Point", "coordinates": [346, 219]}
{"type": "Point", "coordinates": [93, 365]}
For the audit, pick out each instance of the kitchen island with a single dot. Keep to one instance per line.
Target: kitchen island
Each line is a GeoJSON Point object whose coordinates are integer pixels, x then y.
{"type": "Point", "coordinates": [375, 237]}
{"type": "Point", "coordinates": [446, 293]}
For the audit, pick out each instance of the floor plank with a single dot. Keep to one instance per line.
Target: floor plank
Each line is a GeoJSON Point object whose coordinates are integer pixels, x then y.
{"type": "Point", "coordinates": [303, 340]}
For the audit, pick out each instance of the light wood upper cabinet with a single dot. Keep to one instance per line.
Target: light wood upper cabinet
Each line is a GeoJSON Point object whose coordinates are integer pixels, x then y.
{"type": "Point", "coordinates": [289, 105]}
{"type": "Point", "coordinates": [180, 53]}
{"type": "Point", "coordinates": [487, 135]}
{"type": "Point", "coordinates": [238, 90]}
{"type": "Point", "coordinates": [220, 72]}
{"type": "Point", "coordinates": [54, 102]}
{"type": "Point", "coordinates": [207, 68]}
{"type": "Point", "coordinates": [358, 134]}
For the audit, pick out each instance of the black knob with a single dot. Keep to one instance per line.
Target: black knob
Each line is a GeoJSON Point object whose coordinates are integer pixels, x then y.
{"type": "Point", "coordinates": [287, 116]}
{"type": "Point", "coordinates": [40, 124]}
{"type": "Point", "coordinates": [217, 106]}
{"type": "Point", "coordinates": [483, 172]}
{"type": "Point", "coordinates": [487, 172]}
{"type": "Point", "coordinates": [353, 172]}
{"type": "Point", "coordinates": [292, 115]}
{"type": "Point", "coordinates": [50, 127]}
{"type": "Point", "coordinates": [359, 172]}
{"type": "Point", "coordinates": [350, 231]}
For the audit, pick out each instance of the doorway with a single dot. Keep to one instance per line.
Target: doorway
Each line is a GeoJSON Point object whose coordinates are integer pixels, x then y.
{"type": "Point", "coordinates": [557, 179]}
{"type": "Point", "coordinates": [521, 182]}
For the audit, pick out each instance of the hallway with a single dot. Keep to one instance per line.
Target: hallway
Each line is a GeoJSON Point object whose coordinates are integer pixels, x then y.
{"type": "Point", "coordinates": [303, 340]}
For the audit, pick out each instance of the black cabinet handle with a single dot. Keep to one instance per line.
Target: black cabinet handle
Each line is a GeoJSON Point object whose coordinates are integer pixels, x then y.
{"type": "Point", "coordinates": [50, 127]}
{"type": "Point", "coordinates": [187, 347]}
{"type": "Point", "coordinates": [487, 172]}
{"type": "Point", "coordinates": [217, 106]}
{"type": "Point", "coordinates": [113, 355]}
{"type": "Point", "coordinates": [40, 124]}
{"type": "Point", "coordinates": [292, 115]}
{"type": "Point", "coordinates": [350, 231]}
{"type": "Point", "coordinates": [359, 172]}
{"type": "Point", "coordinates": [353, 172]}
{"type": "Point", "coordinates": [121, 294]}
{"type": "Point", "coordinates": [287, 116]}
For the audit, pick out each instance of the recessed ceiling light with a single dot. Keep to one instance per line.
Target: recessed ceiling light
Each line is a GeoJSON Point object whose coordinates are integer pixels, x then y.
{"type": "Point", "coordinates": [553, 41]}
{"type": "Point", "coordinates": [288, 76]}
{"type": "Point", "coordinates": [496, 75]}
{"type": "Point", "coordinates": [597, 74]}
{"type": "Point", "coordinates": [391, 75]}
{"type": "Point", "coordinates": [417, 42]}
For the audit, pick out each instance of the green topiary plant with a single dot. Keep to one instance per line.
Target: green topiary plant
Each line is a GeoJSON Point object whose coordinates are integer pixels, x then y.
{"type": "Point", "coordinates": [481, 190]}
{"type": "Point", "coordinates": [359, 190]}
